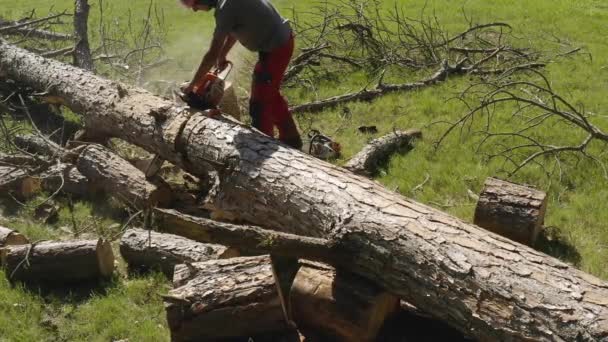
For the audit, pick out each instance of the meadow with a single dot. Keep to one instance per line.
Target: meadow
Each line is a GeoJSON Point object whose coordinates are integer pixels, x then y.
{"type": "Point", "coordinates": [129, 306]}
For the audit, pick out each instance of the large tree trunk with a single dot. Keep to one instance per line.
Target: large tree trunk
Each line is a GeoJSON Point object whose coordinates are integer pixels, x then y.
{"type": "Point", "coordinates": [142, 248]}
{"type": "Point", "coordinates": [223, 298]}
{"type": "Point", "coordinates": [482, 283]}
{"type": "Point", "coordinates": [60, 261]}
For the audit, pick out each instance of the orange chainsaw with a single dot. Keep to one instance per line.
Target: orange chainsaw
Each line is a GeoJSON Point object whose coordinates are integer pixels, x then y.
{"type": "Point", "coordinates": [208, 92]}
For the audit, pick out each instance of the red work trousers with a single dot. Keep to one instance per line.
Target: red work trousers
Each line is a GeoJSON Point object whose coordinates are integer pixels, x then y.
{"type": "Point", "coordinates": [267, 106]}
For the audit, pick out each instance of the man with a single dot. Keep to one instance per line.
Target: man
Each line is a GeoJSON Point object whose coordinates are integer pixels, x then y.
{"type": "Point", "coordinates": [258, 26]}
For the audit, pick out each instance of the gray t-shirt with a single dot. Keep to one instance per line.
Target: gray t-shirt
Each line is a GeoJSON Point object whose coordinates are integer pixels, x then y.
{"type": "Point", "coordinates": [254, 23]}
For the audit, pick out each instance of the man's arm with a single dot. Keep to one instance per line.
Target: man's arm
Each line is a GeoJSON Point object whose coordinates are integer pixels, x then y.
{"type": "Point", "coordinates": [209, 60]}
{"type": "Point", "coordinates": [228, 44]}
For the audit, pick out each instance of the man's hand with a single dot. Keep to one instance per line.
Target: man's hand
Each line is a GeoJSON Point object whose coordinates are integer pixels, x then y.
{"type": "Point", "coordinates": [222, 62]}
{"type": "Point", "coordinates": [186, 88]}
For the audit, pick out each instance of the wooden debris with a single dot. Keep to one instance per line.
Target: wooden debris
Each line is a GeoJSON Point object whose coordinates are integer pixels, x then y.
{"type": "Point", "coordinates": [223, 298]}
{"type": "Point", "coordinates": [339, 304]}
{"type": "Point", "coordinates": [59, 261]}
{"type": "Point", "coordinates": [148, 249]}
{"type": "Point", "coordinates": [511, 210]}
{"type": "Point", "coordinates": [367, 161]}
{"type": "Point", "coordinates": [9, 237]}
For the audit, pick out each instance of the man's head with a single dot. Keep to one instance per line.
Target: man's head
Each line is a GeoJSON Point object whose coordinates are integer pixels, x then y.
{"type": "Point", "coordinates": [199, 5]}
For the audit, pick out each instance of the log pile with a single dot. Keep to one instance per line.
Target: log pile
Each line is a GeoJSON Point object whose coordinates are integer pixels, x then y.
{"type": "Point", "coordinates": [289, 204]}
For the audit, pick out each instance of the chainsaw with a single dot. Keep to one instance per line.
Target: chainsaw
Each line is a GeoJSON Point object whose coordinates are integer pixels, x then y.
{"type": "Point", "coordinates": [208, 92]}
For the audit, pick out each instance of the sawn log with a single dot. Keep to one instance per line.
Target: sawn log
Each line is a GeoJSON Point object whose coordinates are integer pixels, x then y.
{"type": "Point", "coordinates": [482, 283]}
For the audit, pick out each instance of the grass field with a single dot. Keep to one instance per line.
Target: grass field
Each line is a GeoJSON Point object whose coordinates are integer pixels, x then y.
{"type": "Point", "coordinates": [577, 218]}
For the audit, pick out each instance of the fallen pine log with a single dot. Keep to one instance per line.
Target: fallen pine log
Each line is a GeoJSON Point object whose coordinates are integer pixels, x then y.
{"type": "Point", "coordinates": [59, 261]}
{"type": "Point", "coordinates": [105, 170]}
{"type": "Point", "coordinates": [373, 154]}
{"type": "Point", "coordinates": [483, 284]}
{"type": "Point", "coordinates": [223, 298]}
{"type": "Point", "coordinates": [148, 249]}
{"type": "Point", "coordinates": [511, 210]}
{"type": "Point", "coordinates": [339, 304]}
{"type": "Point", "coordinates": [11, 237]}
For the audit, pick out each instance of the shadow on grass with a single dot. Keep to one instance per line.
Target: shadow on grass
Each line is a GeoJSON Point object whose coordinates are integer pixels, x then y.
{"type": "Point", "coordinates": [69, 293]}
{"type": "Point", "coordinates": [552, 243]}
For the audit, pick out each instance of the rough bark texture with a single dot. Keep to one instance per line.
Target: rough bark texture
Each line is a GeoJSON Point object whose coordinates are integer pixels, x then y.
{"type": "Point", "coordinates": [82, 51]}
{"type": "Point", "coordinates": [68, 178]}
{"type": "Point", "coordinates": [119, 178]}
{"type": "Point", "coordinates": [147, 249]}
{"type": "Point", "coordinates": [511, 210]}
{"type": "Point", "coordinates": [223, 298]}
{"type": "Point", "coordinates": [10, 237]}
{"type": "Point", "coordinates": [480, 282]}
{"type": "Point", "coordinates": [367, 161]}
{"type": "Point", "coordinates": [60, 262]}
{"type": "Point", "coordinates": [249, 238]}
{"type": "Point", "coordinates": [339, 304]}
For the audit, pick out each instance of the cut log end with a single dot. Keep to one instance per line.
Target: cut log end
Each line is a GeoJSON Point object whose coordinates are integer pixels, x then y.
{"type": "Point", "coordinates": [9, 237]}
{"type": "Point", "coordinates": [105, 258]}
{"type": "Point", "coordinates": [339, 304]}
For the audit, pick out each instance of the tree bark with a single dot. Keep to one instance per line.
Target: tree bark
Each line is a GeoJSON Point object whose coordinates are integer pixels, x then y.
{"type": "Point", "coordinates": [60, 261]}
{"type": "Point", "coordinates": [223, 298]}
{"type": "Point", "coordinates": [82, 51]}
{"type": "Point", "coordinates": [339, 304]}
{"type": "Point", "coordinates": [511, 210]}
{"type": "Point", "coordinates": [366, 162]}
{"type": "Point", "coordinates": [104, 170]}
{"type": "Point", "coordinates": [10, 237]}
{"type": "Point", "coordinates": [142, 248]}
{"type": "Point", "coordinates": [119, 178]}
{"type": "Point", "coordinates": [480, 282]}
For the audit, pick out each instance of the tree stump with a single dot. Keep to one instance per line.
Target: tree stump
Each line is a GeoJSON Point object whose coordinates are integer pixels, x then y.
{"type": "Point", "coordinates": [142, 248]}
{"type": "Point", "coordinates": [10, 237]}
{"type": "Point", "coordinates": [59, 261]}
{"type": "Point", "coordinates": [339, 304]}
{"type": "Point", "coordinates": [511, 210]}
{"type": "Point", "coordinates": [223, 298]}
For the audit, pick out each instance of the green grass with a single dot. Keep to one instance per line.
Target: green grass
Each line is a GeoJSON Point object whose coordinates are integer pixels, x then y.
{"type": "Point", "coordinates": [577, 217]}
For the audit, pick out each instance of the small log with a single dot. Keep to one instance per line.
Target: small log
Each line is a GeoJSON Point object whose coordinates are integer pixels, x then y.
{"type": "Point", "coordinates": [119, 178]}
{"type": "Point", "coordinates": [148, 249]}
{"type": "Point", "coordinates": [68, 178]}
{"type": "Point", "coordinates": [511, 210]}
{"type": "Point", "coordinates": [59, 261]}
{"type": "Point", "coordinates": [10, 237]}
{"type": "Point", "coordinates": [339, 304]}
{"type": "Point", "coordinates": [223, 298]}
{"type": "Point", "coordinates": [366, 162]}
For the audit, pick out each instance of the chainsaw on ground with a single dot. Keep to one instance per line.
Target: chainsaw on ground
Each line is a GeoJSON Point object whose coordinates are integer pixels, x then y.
{"type": "Point", "coordinates": [208, 92]}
